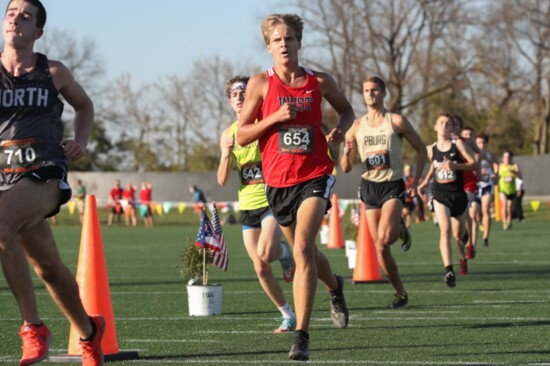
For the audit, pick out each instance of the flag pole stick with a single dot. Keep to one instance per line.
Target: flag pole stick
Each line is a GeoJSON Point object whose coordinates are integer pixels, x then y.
{"type": "Point", "coordinates": [204, 273]}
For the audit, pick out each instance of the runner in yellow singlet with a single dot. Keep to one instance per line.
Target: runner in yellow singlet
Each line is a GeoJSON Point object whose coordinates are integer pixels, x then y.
{"type": "Point", "coordinates": [508, 171]}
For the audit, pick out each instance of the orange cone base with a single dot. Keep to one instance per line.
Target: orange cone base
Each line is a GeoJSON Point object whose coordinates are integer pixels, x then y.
{"type": "Point", "coordinates": [120, 356]}
{"type": "Point", "coordinates": [369, 281]}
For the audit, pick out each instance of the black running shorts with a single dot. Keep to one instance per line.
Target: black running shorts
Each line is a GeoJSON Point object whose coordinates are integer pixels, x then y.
{"type": "Point", "coordinates": [284, 202]}
{"type": "Point", "coordinates": [252, 219]}
{"type": "Point", "coordinates": [456, 201]}
{"type": "Point", "coordinates": [374, 195]}
{"type": "Point", "coordinates": [49, 173]}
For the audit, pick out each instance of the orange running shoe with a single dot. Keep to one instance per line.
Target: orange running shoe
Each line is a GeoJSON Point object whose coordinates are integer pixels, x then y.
{"type": "Point", "coordinates": [36, 341]}
{"type": "Point", "coordinates": [92, 355]}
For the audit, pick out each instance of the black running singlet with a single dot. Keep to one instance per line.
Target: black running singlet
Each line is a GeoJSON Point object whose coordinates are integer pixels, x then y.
{"type": "Point", "coordinates": [30, 123]}
{"type": "Point", "coordinates": [447, 180]}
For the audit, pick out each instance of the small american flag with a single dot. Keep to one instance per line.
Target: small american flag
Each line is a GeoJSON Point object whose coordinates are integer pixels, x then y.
{"type": "Point", "coordinates": [207, 237]}
{"type": "Point", "coordinates": [220, 257]}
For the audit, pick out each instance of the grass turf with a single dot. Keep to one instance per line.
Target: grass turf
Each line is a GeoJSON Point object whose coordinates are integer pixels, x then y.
{"type": "Point", "coordinates": [496, 315]}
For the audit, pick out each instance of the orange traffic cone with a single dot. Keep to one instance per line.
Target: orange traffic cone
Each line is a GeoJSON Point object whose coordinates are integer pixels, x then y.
{"type": "Point", "coordinates": [366, 268]}
{"type": "Point", "coordinates": [497, 204]}
{"type": "Point", "coordinates": [335, 235]}
{"type": "Point", "coordinates": [93, 284]}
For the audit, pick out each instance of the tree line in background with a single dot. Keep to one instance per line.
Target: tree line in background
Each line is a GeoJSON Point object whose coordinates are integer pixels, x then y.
{"type": "Point", "coordinates": [488, 61]}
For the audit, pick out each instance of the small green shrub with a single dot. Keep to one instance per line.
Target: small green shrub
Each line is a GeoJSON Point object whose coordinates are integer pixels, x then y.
{"type": "Point", "coordinates": [192, 263]}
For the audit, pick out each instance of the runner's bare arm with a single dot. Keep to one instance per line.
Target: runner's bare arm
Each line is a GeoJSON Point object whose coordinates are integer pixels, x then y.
{"type": "Point", "coordinates": [404, 126]}
{"type": "Point", "coordinates": [346, 115]}
{"type": "Point", "coordinates": [350, 148]}
{"type": "Point", "coordinates": [77, 98]}
{"type": "Point", "coordinates": [226, 162]}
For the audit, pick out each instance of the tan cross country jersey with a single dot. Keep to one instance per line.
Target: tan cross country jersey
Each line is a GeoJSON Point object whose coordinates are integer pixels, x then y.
{"type": "Point", "coordinates": [380, 151]}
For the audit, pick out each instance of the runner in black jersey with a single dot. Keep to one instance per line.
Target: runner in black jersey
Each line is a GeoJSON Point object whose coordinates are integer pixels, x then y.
{"type": "Point", "coordinates": [449, 159]}
{"type": "Point", "coordinates": [33, 178]}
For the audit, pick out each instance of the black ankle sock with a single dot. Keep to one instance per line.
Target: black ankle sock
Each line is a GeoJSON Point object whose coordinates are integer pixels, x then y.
{"type": "Point", "coordinates": [338, 290]}
{"type": "Point", "coordinates": [91, 335]}
{"type": "Point", "coordinates": [302, 333]}
{"type": "Point", "coordinates": [449, 269]}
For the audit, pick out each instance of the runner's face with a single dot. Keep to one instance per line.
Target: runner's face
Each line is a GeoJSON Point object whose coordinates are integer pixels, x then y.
{"type": "Point", "coordinates": [283, 44]}
{"type": "Point", "coordinates": [466, 134]}
{"type": "Point", "coordinates": [19, 26]}
{"type": "Point", "coordinates": [480, 143]}
{"type": "Point", "coordinates": [236, 100]}
{"type": "Point", "coordinates": [372, 93]}
{"type": "Point", "coordinates": [444, 127]}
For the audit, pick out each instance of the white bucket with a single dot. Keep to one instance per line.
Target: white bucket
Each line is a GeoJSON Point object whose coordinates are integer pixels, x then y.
{"type": "Point", "coordinates": [204, 300]}
{"type": "Point", "coordinates": [350, 245]}
{"type": "Point", "coordinates": [352, 258]}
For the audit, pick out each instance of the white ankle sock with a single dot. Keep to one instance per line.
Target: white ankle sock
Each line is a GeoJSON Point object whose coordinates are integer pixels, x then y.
{"type": "Point", "coordinates": [286, 311]}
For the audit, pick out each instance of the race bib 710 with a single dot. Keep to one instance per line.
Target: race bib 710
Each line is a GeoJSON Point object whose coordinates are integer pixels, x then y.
{"type": "Point", "coordinates": [19, 156]}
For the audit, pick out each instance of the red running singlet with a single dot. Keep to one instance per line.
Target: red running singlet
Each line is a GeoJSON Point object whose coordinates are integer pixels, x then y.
{"type": "Point", "coordinates": [295, 151]}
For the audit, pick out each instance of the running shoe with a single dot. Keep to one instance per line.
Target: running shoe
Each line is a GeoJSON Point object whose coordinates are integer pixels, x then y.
{"type": "Point", "coordinates": [450, 279]}
{"type": "Point", "coordinates": [300, 346]}
{"type": "Point", "coordinates": [463, 267]}
{"type": "Point", "coordinates": [470, 252]}
{"type": "Point", "coordinates": [92, 354]}
{"type": "Point", "coordinates": [338, 308]}
{"type": "Point", "coordinates": [399, 301]}
{"type": "Point", "coordinates": [287, 263]}
{"type": "Point", "coordinates": [486, 242]}
{"type": "Point", "coordinates": [287, 325]}
{"type": "Point", "coordinates": [36, 341]}
{"type": "Point", "coordinates": [405, 236]}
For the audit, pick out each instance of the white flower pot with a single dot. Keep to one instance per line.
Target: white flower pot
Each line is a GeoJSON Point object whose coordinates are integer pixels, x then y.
{"type": "Point", "coordinates": [350, 245]}
{"type": "Point", "coordinates": [204, 300]}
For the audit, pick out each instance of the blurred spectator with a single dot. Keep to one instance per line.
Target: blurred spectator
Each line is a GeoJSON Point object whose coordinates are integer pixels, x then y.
{"type": "Point", "coordinates": [79, 197]}
{"type": "Point", "coordinates": [145, 209]}
{"type": "Point", "coordinates": [114, 203]}
{"type": "Point", "coordinates": [129, 198]}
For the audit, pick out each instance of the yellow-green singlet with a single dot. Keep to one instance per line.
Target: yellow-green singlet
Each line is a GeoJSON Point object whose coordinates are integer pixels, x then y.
{"type": "Point", "coordinates": [249, 165]}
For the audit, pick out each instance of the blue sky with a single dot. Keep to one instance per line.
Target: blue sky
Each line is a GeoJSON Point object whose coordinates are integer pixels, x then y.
{"type": "Point", "coordinates": [149, 38]}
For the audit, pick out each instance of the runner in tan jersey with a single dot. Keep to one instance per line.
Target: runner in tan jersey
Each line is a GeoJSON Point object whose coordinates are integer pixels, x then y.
{"type": "Point", "coordinates": [378, 136]}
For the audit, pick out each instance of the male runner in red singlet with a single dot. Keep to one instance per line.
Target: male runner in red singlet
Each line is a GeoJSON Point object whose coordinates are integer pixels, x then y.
{"type": "Point", "coordinates": [466, 248]}
{"type": "Point", "coordinates": [286, 102]}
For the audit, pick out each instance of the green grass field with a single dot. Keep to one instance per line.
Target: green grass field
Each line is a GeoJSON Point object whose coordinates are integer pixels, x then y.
{"type": "Point", "coordinates": [499, 314]}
